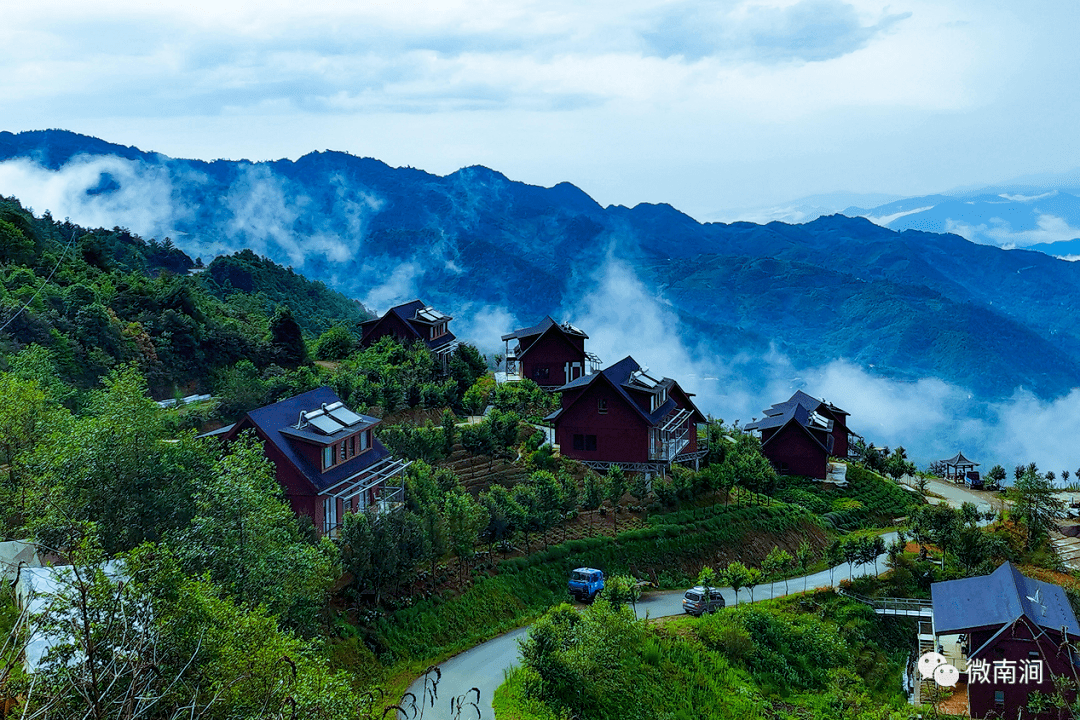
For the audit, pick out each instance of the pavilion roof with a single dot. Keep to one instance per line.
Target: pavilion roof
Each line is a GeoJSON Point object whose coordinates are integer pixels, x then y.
{"type": "Point", "coordinates": [959, 460]}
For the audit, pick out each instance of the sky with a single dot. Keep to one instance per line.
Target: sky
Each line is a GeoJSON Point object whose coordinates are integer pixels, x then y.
{"type": "Point", "coordinates": [708, 106]}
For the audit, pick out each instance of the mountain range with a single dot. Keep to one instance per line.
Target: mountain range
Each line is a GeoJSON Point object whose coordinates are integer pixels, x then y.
{"type": "Point", "coordinates": [902, 301]}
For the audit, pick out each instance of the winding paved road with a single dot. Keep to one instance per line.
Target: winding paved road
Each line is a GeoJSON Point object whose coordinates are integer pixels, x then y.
{"type": "Point", "coordinates": [483, 666]}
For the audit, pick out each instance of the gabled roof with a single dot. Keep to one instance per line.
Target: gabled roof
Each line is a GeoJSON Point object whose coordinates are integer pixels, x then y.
{"type": "Point", "coordinates": [621, 376]}
{"type": "Point", "coordinates": [278, 423]}
{"type": "Point", "coordinates": [1000, 599]}
{"type": "Point", "coordinates": [543, 326]}
{"type": "Point", "coordinates": [807, 401]}
{"type": "Point", "coordinates": [959, 459]}
{"type": "Point", "coordinates": [415, 313]}
{"type": "Point", "coordinates": [797, 416]}
{"type": "Point", "coordinates": [807, 417]}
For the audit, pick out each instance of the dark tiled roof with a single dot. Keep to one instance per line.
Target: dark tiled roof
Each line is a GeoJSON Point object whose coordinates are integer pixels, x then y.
{"type": "Point", "coordinates": [273, 419]}
{"type": "Point", "coordinates": [530, 331]}
{"type": "Point", "coordinates": [1000, 598]}
{"type": "Point", "coordinates": [799, 413]}
{"type": "Point", "coordinates": [407, 313]}
{"type": "Point", "coordinates": [619, 376]}
{"type": "Point", "coordinates": [808, 401]}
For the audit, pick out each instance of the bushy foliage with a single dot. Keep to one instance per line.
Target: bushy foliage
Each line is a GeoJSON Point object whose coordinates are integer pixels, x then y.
{"type": "Point", "coordinates": [603, 663]}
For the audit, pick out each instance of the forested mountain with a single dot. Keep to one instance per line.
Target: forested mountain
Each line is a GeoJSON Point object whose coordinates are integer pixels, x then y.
{"type": "Point", "coordinates": [97, 298]}
{"type": "Point", "coordinates": [906, 304]}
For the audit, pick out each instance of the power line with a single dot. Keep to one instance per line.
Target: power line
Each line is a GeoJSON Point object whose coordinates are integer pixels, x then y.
{"type": "Point", "coordinates": [34, 296]}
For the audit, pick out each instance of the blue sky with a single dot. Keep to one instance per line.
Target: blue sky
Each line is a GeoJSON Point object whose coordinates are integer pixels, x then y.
{"type": "Point", "coordinates": [705, 105]}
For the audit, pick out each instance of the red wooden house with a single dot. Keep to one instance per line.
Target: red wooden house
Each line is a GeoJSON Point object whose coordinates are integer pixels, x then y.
{"type": "Point", "coordinates": [412, 322]}
{"type": "Point", "coordinates": [1008, 635]}
{"type": "Point", "coordinates": [548, 353]}
{"type": "Point", "coordinates": [327, 458]}
{"type": "Point", "coordinates": [624, 416]}
{"type": "Point", "coordinates": [800, 434]}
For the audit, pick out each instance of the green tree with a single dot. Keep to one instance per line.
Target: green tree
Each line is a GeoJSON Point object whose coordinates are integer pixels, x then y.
{"type": "Point", "coordinates": [996, 475]}
{"type": "Point", "coordinates": [622, 589]}
{"type": "Point", "coordinates": [736, 575]}
{"type": "Point", "coordinates": [248, 542]}
{"type": "Point", "coordinates": [337, 343]}
{"type": "Point", "coordinates": [772, 565]}
{"type": "Point", "coordinates": [616, 488]}
{"type": "Point", "coordinates": [436, 537]}
{"type": "Point", "coordinates": [592, 495]}
{"type": "Point", "coordinates": [707, 580]}
{"type": "Point", "coordinates": [287, 345]}
{"type": "Point", "coordinates": [504, 514]}
{"type": "Point", "coordinates": [1036, 504]}
{"type": "Point", "coordinates": [753, 579]}
{"type": "Point", "coordinates": [465, 518]}
{"type": "Point", "coordinates": [381, 551]}
{"type": "Point", "coordinates": [26, 415]}
{"type": "Point", "coordinates": [834, 555]}
{"type": "Point", "coordinates": [449, 431]}
{"type": "Point", "coordinates": [115, 466]}
{"type": "Point", "coordinates": [530, 514]}
{"type": "Point", "coordinates": [803, 555]}
{"type": "Point", "coordinates": [549, 500]}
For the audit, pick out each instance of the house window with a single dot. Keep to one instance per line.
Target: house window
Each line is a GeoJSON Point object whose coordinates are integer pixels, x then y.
{"type": "Point", "coordinates": [999, 699]}
{"type": "Point", "coordinates": [352, 446]}
{"type": "Point", "coordinates": [343, 450]}
{"type": "Point", "coordinates": [543, 373]}
{"type": "Point", "coordinates": [327, 457]}
{"type": "Point", "coordinates": [1033, 654]}
{"type": "Point", "coordinates": [601, 406]}
{"type": "Point", "coordinates": [364, 440]}
{"type": "Point", "coordinates": [585, 442]}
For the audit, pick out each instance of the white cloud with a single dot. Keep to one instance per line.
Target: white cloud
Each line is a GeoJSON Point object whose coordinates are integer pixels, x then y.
{"type": "Point", "coordinates": [132, 193]}
{"type": "Point", "coordinates": [484, 326]}
{"type": "Point", "coordinates": [399, 287]}
{"type": "Point", "coordinates": [931, 418]}
{"type": "Point", "coordinates": [1050, 229]}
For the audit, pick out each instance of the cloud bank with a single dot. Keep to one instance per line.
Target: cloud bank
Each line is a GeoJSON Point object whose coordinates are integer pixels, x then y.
{"type": "Point", "coordinates": [931, 418]}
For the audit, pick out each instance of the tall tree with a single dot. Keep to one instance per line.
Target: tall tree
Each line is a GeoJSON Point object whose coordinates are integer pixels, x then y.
{"type": "Point", "coordinates": [287, 345]}
{"type": "Point", "coordinates": [114, 467]}
{"type": "Point", "coordinates": [593, 492]}
{"type": "Point", "coordinates": [736, 576]}
{"type": "Point", "coordinates": [616, 488]}
{"type": "Point", "coordinates": [465, 518]}
{"type": "Point", "coordinates": [1036, 503]}
{"type": "Point", "coordinates": [248, 541]}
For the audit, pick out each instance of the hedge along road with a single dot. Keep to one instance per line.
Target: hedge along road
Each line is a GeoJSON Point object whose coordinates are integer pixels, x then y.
{"type": "Point", "coordinates": [483, 666]}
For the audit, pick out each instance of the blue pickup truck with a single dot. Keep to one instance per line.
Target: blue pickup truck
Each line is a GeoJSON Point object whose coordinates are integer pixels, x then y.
{"type": "Point", "coordinates": [586, 583]}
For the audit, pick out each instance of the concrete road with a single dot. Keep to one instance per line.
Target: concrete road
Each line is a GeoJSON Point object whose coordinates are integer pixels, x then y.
{"type": "Point", "coordinates": [483, 666]}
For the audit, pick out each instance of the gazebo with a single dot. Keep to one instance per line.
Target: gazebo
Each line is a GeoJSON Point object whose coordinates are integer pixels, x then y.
{"type": "Point", "coordinates": [958, 469]}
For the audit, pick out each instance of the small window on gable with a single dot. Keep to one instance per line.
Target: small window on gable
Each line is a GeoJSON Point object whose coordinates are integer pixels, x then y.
{"type": "Point", "coordinates": [543, 373]}
{"type": "Point", "coordinates": [601, 406]}
{"type": "Point", "coordinates": [327, 457]}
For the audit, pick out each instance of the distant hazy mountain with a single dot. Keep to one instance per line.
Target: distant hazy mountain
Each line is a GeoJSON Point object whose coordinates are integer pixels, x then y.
{"type": "Point", "coordinates": [906, 304]}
